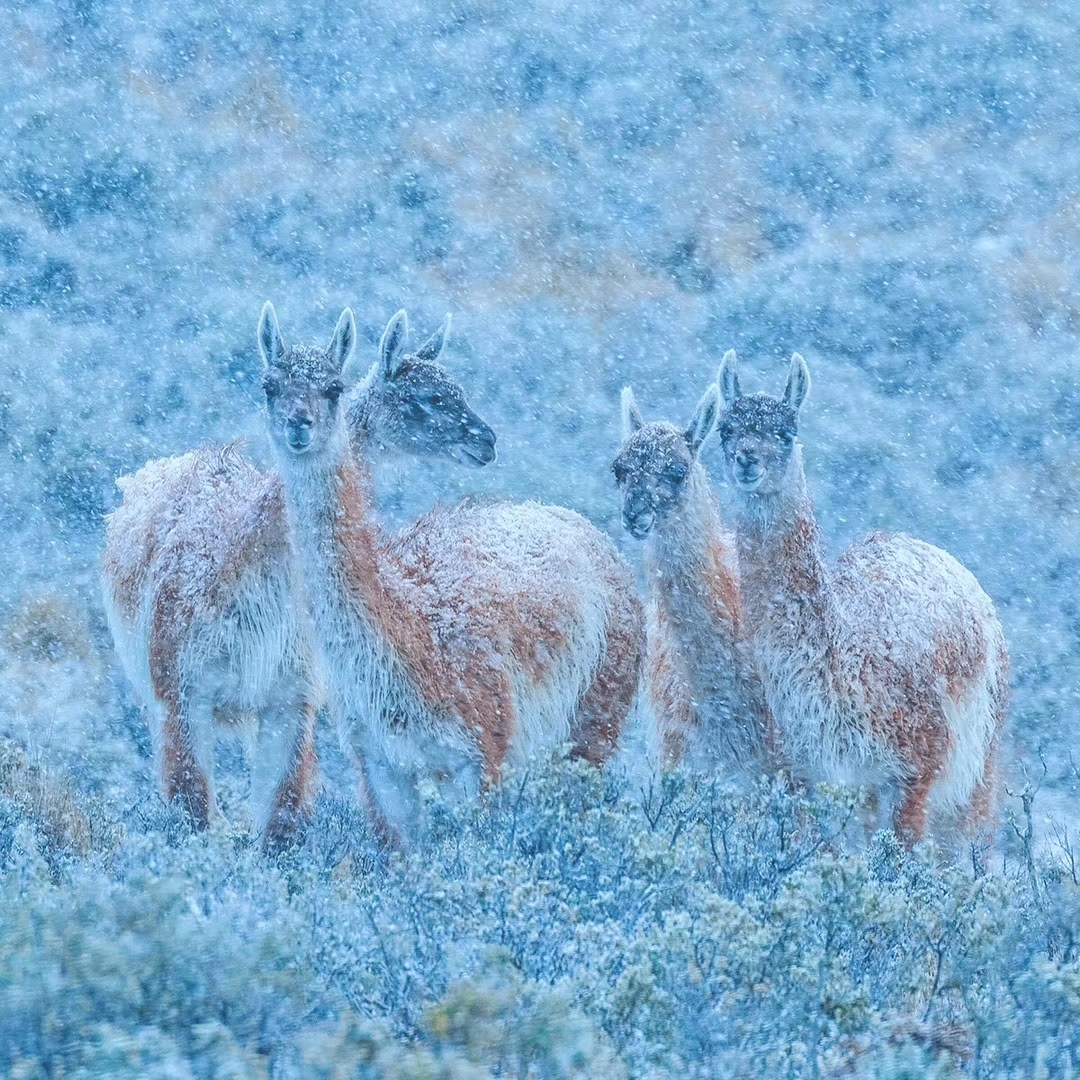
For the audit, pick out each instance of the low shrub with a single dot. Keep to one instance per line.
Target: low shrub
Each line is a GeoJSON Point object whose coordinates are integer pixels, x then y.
{"type": "Point", "coordinates": [570, 926]}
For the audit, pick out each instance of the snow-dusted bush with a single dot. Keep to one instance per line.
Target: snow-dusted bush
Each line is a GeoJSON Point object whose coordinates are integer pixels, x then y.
{"type": "Point", "coordinates": [571, 926]}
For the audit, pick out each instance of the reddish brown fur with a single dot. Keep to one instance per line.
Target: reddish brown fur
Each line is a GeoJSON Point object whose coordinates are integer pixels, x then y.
{"type": "Point", "coordinates": [128, 579]}
{"type": "Point", "coordinates": [170, 553]}
{"type": "Point", "coordinates": [983, 810]}
{"type": "Point", "coordinates": [182, 780]}
{"type": "Point", "coordinates": [670, 694]}
{"type": "Point", "coordinates": [668, 679]}
{"type": "Point", "coordinates": [157, 532]}
{"type": "Point", "coordinates": [725, 599]}
{"type": "Point", "coordinates": [606, 703]}
{"type": "Point", "coordinates": [457, 668]}
{"type": "Point", "coordinates": [909, 822]}
{"type": "Point", "coordinates": [454, 680]}
{"type": "Point", "coordinates": [167, 633]}
{"type": "Point", "coordinates": [294, 799]}
{"type": "Point", "coordinates": [984, 801]}
{"type": "Point", "coordinates": [798, 558]}
{"type": "Point", "coordinates": [959, 662]}
{"type": "Point", "coordinates": [157, 541]}
{"type": "Point", "coordinates": [908, 717]}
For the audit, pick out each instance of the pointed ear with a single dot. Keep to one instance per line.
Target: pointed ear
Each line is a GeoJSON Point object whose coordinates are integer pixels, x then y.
{"type": "Point", "coordinates": [798, 383]}
{"type": "Point", "coordinates": [704, 419]}
{"type": "Point", "coordinates": [344, 340]}
{"type": "Point", "coordinates": [727, 378]}
{"type": "Point", "coordinates": [632, 420]}
{"type": "Point", "coordinates": [270, 344]}
{"type": "Point", "coordinates": [433, 347]}
{"type": "Point", "coordinates": [392, 346]}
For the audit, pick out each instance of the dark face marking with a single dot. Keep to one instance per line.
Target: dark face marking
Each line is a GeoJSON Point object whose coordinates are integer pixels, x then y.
{"type": "Point", "coordinates": [651, 470]}
{"type": "Point", "coordinates": [423, 411]}
{"type": "Point", "coordinates": [757, 436]}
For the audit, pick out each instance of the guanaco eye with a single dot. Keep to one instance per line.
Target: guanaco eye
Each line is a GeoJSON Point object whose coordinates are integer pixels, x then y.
{"type": "Point", "coordinates": [334, 391]}
{"type": "Point", "coordinates": [271, 387]}
{"type": "Point", "coordinates": [435, 400]}
{"type": "Point", "coordinates": [620, 473]}
{"type": "Point", "coordinates": [674, 474]}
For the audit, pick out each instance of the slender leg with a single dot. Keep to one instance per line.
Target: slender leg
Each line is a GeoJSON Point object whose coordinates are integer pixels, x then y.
{"type": "Point", "coordinates": [982, 814]}
{"type": "Point", "coordinates": [669, 706]}
{"type": "Point", "coordinates": [870, 813]}
{"type": "Point", "coordinates": [386, 836]}
{"type": "Point", "coordinates": [390, 795]}
{"type": "Point", "coordinates": [183, 750]}
{"type": "Point", "coordinates": [284, 775]}
{"type": "Point", "coordinates": [909, 821]}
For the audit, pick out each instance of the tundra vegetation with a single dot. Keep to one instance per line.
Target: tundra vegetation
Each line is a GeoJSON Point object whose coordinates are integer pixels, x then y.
{"type": "Point", "coordinates": [603, 195]}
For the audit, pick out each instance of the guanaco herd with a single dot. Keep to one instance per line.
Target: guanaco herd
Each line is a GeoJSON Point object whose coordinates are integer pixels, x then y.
{"type": "Point", "coordinates": [489, 632]}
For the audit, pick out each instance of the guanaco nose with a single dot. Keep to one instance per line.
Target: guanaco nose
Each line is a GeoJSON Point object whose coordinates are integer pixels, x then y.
{"type": "Point", "coordinates": [299, 425]}
{"type": "Point", "coordinates": [477, 429]}
{"type": "Point", "coordinates": [638, 503]}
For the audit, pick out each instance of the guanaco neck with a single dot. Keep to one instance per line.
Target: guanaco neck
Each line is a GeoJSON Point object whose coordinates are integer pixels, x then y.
{"type": "Point", "coordinates": [358, 624]}
{"type": "Point", "coordinates": [689, 563]}
{"type": "Point", "coordinates": [687, 560]}
{"type": "Point", "coordinates": [785, 582]}
{"type": "Point", "coordinates": [362, 412]}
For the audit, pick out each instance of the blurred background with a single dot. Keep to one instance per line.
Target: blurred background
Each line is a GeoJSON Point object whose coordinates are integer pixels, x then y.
{"type": "Point", "coordinates": [601, 194]}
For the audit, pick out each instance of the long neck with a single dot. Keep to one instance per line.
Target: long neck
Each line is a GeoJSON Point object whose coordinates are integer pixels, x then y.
{"type": "Point", "coordinates": [360, 629]}
{"type": "Point", "coordinates": [688, 562]}
{"type": "Point", "coordinates": [695, 586]}
{"type": "Point", "coordinates": [785, 582]}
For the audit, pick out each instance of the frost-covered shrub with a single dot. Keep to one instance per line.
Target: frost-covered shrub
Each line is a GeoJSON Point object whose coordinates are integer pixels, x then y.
{"type": "Point", "coordinates": [44, 812]}
{"type": "Point", "coordinates": [142, 958]}
{"type": "Point", "coordinates": [570, 927]}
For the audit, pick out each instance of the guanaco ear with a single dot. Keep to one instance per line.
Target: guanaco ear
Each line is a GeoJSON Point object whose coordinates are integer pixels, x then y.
{"type": "Point", "coordinates": [727, 378]}
{"type": "Point", "coordinates": [344, 341]}
{"type": "Point", "coordinates": [798, 383]}
{"type": "Point", "coordinates": [392, 346]}
{"type": "Point", "coordinates": [704, 419]}
{"type": "Point", "coordinates": [433, 347]}
{"type": "Point", "coordinates": [632, 420]}
{"type": "Point", "coordinates": [270, 344]}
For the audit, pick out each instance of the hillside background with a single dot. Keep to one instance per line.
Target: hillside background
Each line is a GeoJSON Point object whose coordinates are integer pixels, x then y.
{"type": "Point", "coordinates": [602, 194]}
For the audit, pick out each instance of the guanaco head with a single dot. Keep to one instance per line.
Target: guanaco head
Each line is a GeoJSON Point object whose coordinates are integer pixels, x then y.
{"type": "Point", "coordinates": [304, 385]}
{"type": "Point", "coordinates": [758, 431]}
{"type": "Point", "coordinates": [656, 461]}
{"type": "Point", "coordinates": [411, 403]}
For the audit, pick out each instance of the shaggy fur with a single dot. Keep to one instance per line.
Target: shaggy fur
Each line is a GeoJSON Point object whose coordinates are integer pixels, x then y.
{"type": "Point", "coordinates": [200, 595]}
{"type": "Point", "coordinates": [888, 668]}
{"type": "Point", "coordinates": [705, 698]}
{"type": "Point", "coordinates": [485, 633]}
